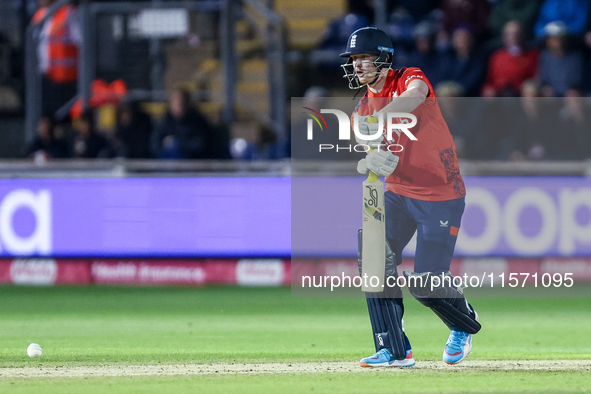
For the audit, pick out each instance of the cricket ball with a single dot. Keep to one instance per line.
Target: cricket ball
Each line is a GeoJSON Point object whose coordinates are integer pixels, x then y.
{"type": "Point", "coordinates": [34, 350]}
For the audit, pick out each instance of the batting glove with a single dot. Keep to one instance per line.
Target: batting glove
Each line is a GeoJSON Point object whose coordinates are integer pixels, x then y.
{"type": "Point", "coordinates": [369, 125]}
{"type": "Point", "coordinates": [380, 162]}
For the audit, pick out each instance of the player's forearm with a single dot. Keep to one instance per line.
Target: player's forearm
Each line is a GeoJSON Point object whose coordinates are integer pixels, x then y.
{"type": "Point", "coordinates": [408, 101]}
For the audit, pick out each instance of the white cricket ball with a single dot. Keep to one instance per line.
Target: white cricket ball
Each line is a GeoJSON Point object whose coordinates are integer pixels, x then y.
{"type": "Point", "coordinates": [34, 350]}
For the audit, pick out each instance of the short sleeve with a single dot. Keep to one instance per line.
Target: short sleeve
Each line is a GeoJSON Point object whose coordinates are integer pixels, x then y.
{"type": "Point", "coordinates": [414, 73]}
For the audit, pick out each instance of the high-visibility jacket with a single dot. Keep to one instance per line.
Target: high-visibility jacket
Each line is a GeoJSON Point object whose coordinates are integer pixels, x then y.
{"type": "Point", "coordinates": [101, 93]}
{"type": "Point", "coordinates": [58, 51]}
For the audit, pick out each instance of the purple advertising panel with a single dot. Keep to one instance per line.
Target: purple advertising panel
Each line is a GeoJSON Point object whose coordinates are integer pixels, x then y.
{"type": "Point", "coordinates": [265, 216]}
{"type": "Point", "coordinates": [504, 216]}
{"type": "Point", "coordinates": [148, 217]}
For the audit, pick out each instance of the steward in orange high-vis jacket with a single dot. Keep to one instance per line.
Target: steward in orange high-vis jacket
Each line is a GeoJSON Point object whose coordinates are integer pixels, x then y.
{"type": "Point", "coordinates": [57, 52]}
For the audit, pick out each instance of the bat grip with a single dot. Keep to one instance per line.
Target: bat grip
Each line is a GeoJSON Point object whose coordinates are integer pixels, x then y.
{"type": "Point", "coordinates": [371, 177]}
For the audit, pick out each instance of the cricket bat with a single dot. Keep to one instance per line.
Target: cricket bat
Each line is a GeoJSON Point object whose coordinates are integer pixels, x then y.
{"type": "Point", "coordinates": [374, 235]}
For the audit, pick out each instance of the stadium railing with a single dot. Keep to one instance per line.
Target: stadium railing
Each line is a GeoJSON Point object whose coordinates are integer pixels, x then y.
{"type": "Point", "coordinates": [130, 168]}
{"type": "Point", "coordinates": [155, 47]}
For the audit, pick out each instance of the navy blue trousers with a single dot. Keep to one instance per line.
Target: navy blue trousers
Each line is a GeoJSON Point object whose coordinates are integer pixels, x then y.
{"type": "Point", "coordinates": [436, 223]}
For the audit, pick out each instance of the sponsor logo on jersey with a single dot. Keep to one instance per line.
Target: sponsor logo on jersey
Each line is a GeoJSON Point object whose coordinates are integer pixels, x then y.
{"type": "Point", "coordinates": [411, 77]}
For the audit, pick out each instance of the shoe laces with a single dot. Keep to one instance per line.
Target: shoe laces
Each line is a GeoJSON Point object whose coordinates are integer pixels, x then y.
{"type": "Point", "coordinates": [384, 352]}
{"type": "Point", "coordinates": [454, 341]}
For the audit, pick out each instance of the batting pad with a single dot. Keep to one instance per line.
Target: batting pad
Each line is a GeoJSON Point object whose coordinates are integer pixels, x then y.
{"type": "Point", "coordinates": [386, 322]}
{"type": "Point", "coordinates": [385, 308]}
{"type": "Point", "coordinates": [445, 300]}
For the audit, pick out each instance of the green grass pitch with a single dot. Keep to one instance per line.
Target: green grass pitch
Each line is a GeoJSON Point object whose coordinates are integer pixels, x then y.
{"type": "Point", "coordinates": [97, 326]}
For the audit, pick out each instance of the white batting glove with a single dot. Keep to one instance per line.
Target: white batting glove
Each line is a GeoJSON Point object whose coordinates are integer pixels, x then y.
{"type": "Point", "coordinates": [362, 166]}
{"type": "Point", "coordinates": [380, 162]}
{"type": "Point", "coordinates": [369, 125]}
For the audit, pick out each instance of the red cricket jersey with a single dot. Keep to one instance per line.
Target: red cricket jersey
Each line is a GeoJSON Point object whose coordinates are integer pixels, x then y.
{"type": "Point", "coordinates": [428, 168]}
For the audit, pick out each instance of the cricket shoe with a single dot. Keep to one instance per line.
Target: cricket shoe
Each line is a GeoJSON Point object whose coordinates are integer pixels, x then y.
{"type": "Point", "coordinates": [384, 358]}
{"type": "Point", "coordinates": [458, 345]}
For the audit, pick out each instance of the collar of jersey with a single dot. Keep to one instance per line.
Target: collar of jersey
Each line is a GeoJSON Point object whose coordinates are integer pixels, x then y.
{"type": "Point", "coordinates": [389, 77]}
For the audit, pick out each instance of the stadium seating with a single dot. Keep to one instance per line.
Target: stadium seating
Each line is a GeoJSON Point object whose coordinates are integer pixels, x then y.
{"type": "Point", "coordinates": [307, 19]}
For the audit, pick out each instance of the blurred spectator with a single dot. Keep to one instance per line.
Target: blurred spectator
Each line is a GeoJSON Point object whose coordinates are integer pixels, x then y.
{"type": "Point", "coordinates": [522, 11]}
{"type": "Point", "coordinates": [457, 111]}
{"type": "Point", "coordinates": [537, 128]}
{"type": "Point", "coordinates": [529, 127]}
{"type": "Point", "coordinates": [57, 54]}
{"type": "Point", "coordinates": [87, 143]}
{"type": "Point", "coordinates": [335, 39]}
{"type": "Point", "coordinates": [47, 145]}
{"type": "Point", "coordinates": [425, 56]}
{"type": "Point", "coordinates": [573, 13]}
{"type": "Point", "coordinates": [466, 65]}
{"type": "Point", "coordinates": [442, 40]}
{"type": "Point", "coordinates": [418, 9]}
{"type": "Point", "coordinates": [460, 12]}
{"type": "Point", "coordinates": [449, 89]}
{"type": "Point", "coordinates": [400, 28]}
{"type": "Point", "coordinates": [132, 133]}
{"type": "Point", "coordinates": [561, 130]}
{"type": "Point", "coordinates": [495, 139]}
{"type": "Point", "coordinates": [586, 82]}
{"type": "Point", "coordinates": [574, 138]}
{"type": "Point", "coordinates": [362, 7]}
{"type": "Point", "coordinates": [510, 66]}
{"type": "Point", "coordinates": [339, 30]}
{"type": "Point", "coordinates": [264, 148]}
{"type": "Point", "coordinates": [183, 133]}
{"type": "Point", "coordinates": [560, 68]}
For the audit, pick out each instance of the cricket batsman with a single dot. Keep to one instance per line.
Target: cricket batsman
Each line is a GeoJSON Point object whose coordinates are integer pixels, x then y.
{"type": "Point", "coordinates": [424, 194]}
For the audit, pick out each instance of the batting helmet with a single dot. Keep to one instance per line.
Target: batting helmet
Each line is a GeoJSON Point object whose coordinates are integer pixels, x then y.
{"type": "Point", "coordinates": [367, 40]}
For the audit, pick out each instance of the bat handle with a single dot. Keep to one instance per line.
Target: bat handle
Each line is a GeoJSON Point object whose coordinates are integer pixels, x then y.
{"type": "Point", "coordinates": [371, 177]}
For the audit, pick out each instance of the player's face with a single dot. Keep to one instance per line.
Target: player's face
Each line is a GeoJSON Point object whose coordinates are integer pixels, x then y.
{"type": "Point", "coordinates": [364, 68]}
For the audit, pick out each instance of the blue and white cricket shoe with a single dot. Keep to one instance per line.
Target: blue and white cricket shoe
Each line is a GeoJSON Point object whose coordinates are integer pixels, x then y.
{"type": "Point", "coordinates": [459, 344]}
{"type": "Point", "coordinates": [384, 358]}
{"type": "Point", "coordinates": [458, 347]}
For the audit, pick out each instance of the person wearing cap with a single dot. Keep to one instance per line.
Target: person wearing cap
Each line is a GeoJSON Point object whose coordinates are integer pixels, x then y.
{"type": "Point", "coordinates": [560, 68]}
{"type": "Point", "coordinates": [424, 195]}
{"type": "Point", "coordinates": [573, 13]}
